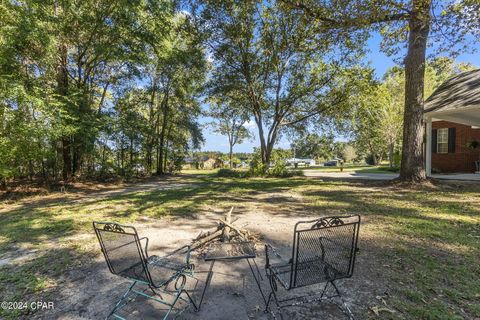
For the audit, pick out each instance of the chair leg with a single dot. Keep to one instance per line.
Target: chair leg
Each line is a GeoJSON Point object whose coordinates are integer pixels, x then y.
{"type": "Point", "coordinates": [346, 310]}
{"type": "Point", "coordinates": [272, 294]}
{"type": "Point", "coordinates": [119, 303]}
{"type": "Point", "coordinates": [191, 300]}
{"type": "Point", "coordinates": [324, 290]}
{"type": "Point", "coordinates": [156, 296]}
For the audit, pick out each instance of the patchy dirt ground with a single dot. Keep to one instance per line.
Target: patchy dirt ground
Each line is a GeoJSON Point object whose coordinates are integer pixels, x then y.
{"type": "Point", "coordinates": [389, 257]}
{"type": "Point", "coordinates": [91, 291]}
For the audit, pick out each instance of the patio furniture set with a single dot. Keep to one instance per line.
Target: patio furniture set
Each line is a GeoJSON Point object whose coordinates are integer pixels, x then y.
{"type": "Point", "coordinates": [323, 251]}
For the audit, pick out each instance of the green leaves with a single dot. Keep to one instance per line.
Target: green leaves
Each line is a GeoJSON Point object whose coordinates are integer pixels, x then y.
{"type": "Point", "coordinates": [65, 65]}
{"type": "Point", "coordinates": [281, 69]}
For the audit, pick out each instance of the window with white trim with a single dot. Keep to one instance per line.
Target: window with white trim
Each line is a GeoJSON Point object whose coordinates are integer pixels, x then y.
{"type": "Point", "coordinates": [442, 140]}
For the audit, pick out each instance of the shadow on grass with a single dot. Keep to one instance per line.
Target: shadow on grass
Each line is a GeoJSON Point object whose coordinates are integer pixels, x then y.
{"type": "Point", "coordinates": [428, 265]}
{"type": "Point", "coordinates": [33, 227]}
{"type": "Point", "coordinates": [431, 249]}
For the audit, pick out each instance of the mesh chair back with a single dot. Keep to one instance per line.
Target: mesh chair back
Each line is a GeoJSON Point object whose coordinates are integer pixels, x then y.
{"type": "Point", "coordinates": [122, 250]}
{"type": "Point", "coordinates": [324, 250]}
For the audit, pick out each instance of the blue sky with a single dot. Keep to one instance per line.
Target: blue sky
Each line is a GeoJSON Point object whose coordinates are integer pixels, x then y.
{"type": "Point", "coordinates": [377, 59]}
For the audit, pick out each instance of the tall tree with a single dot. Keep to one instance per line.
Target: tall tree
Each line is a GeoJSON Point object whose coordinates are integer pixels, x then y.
{"type": "Point", "coordinates": [320, 147]}
{"type": "Point", "coordinates": [229, 120]}
{"type": "Point", "coordinates": [266, 56]}
{"type": "Point", "coordinates": [378, 114]}
{"type": "Point", "coordinates": [88, 61]}
{"type": "Point", "coordinates": [412, 20]}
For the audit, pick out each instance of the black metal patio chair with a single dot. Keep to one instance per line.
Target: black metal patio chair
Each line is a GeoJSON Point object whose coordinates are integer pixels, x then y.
{"type": "Point", "coordinates": [323, 251]}
{"type": "Point", "coordinates": [164, 277]}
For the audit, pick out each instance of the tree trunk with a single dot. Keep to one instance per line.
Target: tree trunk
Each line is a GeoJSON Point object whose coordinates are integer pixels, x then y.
{"type": "Point", "coordinates": [162, 136]}
{"type": "Point", "coordinates": [62, 89]}
{"type": "Point", "coordinates": [268, 152]}
{"type": "Point", "coordinates": [122, 155]}
{"type": "Point", "coordinates": [104, 155]}
{"type": "Point", "coordinates": [230, 153]}
{"type": "Point", "coordinates": [270, 144]}
{"type": "Point", "coordinates": [266, 147]}
{"type": "Point", "coordinates": [77, 154]}
{"type": "Point", "coordinates": [390, 154]}
{"type": "Point", "coordinates": [151, 121]}
{"type": "Point", "coordinates": [412, 166]}
{"type": "Point", "coordinates": [131, 153]}
{"type": "Point", "coordinates": [67, 158]}
{"type": "Point", "coordinates": [45, 174]}
{"type": "Point", "coordinates": [169, 131]}
{"type": "Point", "coordinates": [263, 145]}
{"type": "Point", "coordinates": [165, 157]}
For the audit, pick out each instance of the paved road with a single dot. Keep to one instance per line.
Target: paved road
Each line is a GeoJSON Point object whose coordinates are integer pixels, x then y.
{"type": "Point", "coordinates": [385, 176]}
{"type": "Point", "coordinates": [350, 175]}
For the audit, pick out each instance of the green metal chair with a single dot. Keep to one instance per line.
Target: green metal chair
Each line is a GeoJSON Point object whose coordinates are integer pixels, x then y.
{"type": "Point", "coordinates": [164, 277]}
{"type": "Point", "coordinates": [323, 251]}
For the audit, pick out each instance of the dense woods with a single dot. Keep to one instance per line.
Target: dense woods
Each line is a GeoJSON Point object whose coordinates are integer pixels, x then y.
{"type": "Point", "coordinates": [97, 88]}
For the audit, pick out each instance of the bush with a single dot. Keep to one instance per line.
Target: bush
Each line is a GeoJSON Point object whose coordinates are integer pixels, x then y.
{"type": "Point", "coordinates": [257, 169]}
{"type": "Point", "coordinates": [275, 173]}
{"type": "Point", "coordinates": [230, 173]}
{"type": "Point", "coordinates": [397, 158]}
{"type": "Point", "coordinates": [279, 169]}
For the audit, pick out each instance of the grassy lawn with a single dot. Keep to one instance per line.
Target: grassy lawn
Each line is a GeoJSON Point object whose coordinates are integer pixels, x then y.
{"type": "Point", "coordinates": [426, 242]}
{"type": "Point", "coordinates": [199, 171]}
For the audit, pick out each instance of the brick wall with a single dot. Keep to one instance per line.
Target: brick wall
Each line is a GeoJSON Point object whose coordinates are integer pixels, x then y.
{"type": "Point", "coordinates": [463, 160]}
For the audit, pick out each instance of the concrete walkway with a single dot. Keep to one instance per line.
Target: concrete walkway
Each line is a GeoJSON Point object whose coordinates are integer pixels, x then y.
{"type": "Point", "coordinates": [385, 176]}
{"type": "Point", "coordinates": [458, 176]}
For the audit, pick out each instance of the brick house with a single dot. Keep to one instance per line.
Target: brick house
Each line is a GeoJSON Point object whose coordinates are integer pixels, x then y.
{"type": "Point", "coordinates": [452, 115]}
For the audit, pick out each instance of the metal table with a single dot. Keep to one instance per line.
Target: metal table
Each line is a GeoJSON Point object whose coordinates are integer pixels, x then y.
{"type": "Point", "coordinates": [229, 252]}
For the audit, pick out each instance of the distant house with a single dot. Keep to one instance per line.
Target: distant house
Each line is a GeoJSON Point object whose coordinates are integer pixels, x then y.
{"type": "Point", "coordinates": [212, 163]}
{"type": "Point", "coordinates": [204, 162]}
{"type": "Point", "coordinates": [452, 115]}
{"type": "Point", "coordinates": [300, 162]}
{"type": "Point", "coordinates": [189, 163]}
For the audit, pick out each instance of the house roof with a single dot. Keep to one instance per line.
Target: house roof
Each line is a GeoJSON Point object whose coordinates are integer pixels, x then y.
{"type": "Point", "coordinates": [457, 92]}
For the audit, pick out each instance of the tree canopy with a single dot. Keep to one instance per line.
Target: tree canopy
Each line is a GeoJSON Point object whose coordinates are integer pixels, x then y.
{"type": "Point", "coordinates": [376, 121]}
{"type": "Point", "coordinates": [97, 87]}
{"type": "Point", "coordinates": [278, 68]}
{"type": "Point", "coordinates": [412, 24]}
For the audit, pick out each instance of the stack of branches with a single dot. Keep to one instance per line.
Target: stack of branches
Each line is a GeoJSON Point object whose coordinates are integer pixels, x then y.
{"type": "Point", "coordinates": [226, 231]}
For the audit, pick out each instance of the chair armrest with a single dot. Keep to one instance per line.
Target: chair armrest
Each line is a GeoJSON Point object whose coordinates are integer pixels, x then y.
{"type": "Point", "coordinates": [270, 249]}
{"type": "Point", "coordinates": [185, 248]}
{"type": "Point", "coordinates": [146, 245]}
